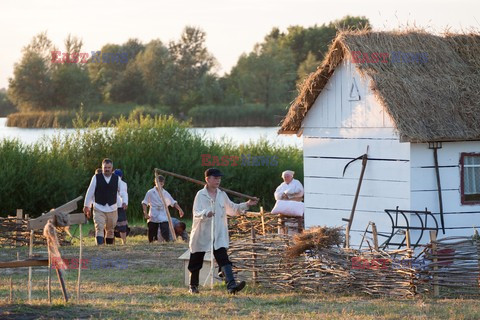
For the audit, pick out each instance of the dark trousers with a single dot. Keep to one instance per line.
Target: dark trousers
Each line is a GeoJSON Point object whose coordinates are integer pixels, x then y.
{"type": "Point", "coordinates": [153, 231]}
{"type": "Point", "coordinates": [196, 259]}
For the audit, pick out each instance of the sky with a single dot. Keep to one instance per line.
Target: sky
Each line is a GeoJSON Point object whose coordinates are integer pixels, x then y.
{"type": "Point", "coordinates": [232, 26]}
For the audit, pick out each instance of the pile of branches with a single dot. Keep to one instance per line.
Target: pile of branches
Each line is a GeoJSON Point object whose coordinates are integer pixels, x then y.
{"type": "Point", "coordinates": [14, 233]}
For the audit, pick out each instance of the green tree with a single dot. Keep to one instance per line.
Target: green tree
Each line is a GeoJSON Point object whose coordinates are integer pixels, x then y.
{"type": "Point", "coordinates": [70, 80]}
{"type": "Point", "coordinates": [31, 85]}
{"type": "Point", "coordinates": [192, 62]}
{"type": "Point", "coordinates": [156, 66]}
{"type": "Point", "coordinates": [266, 75]}
{"type": "Point", "coordinates": [306, 67]}
{"type": "Point", "coordinates": [129, 86]}
{"type": "Point", "coordinates": [6, 106]}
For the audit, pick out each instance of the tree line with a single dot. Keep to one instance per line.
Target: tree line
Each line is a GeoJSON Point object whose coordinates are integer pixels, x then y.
{"type": "Point", "coordinates": [179, 74]}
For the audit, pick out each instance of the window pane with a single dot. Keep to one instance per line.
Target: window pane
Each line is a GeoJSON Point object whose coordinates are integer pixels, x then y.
{"type": "Point", "coordinates": [471, 177]}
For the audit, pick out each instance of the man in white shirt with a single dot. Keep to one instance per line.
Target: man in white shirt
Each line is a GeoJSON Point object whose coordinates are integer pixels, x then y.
{"type": "Point", "coordinates": [102, 193]}
{"type": "Point", "coordinates": [290, 189]}
{"type": "Point", "coordinates": [157, 216]}
{"type": "Point", "coordinates": [210, 209]}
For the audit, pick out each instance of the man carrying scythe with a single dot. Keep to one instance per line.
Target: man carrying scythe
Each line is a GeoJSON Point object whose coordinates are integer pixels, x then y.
{"type": "Point", "coordinates": [210, 209]}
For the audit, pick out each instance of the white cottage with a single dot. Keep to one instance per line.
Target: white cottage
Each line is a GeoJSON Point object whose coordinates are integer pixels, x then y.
{"type": "Point", "coordinates": [403, 111]}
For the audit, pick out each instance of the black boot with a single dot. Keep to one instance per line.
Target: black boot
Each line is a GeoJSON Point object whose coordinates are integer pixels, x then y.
{"type": "Point", "coordinates": [194, 280]}
{"type": "Point", "coordinates": [109, 240]}
{"type": "Point", "coordinates": [232, 286]}
{"type": "Point", "coordinates": [221, 275]}
{"type": "Point", "coordinates": [99, 240]}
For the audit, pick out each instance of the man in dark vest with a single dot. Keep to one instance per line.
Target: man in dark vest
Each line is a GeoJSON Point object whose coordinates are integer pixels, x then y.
{"type": "Point", "coordinates": [102, 193]}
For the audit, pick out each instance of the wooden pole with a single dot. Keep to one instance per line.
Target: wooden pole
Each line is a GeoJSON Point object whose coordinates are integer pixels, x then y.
{"type": "Point", "coordinates": [254, 274]}
{"type": "Point", "coordinates": [170, 224]}
{"type": "Point", "coordinates": [30, 252]}
{"type": "Point", "coordinates": [262, 217]}
{"type": "Point", "coordinates": [355, 200]}
{"type": "Point", "coordinates": [375, 236]}
{"type": "Point", "coordinates": [49, 278]}
{"type": "Point", "coordinates": [235, 193]}
{"type": "Point", "coordinates": [433, 240]}
{"type": "Point", "coordinates": [439, 187]}
{"type": "Point", "coordinates": [62, 283]}
{"type": "Point", "coordinates": [79, 262]}
{"type": "Point", "coordinates": [212, 264]}
{"type": "Point", "coordinates": [19, 222]}
{"type": "Point", "coordinates": [11, 290]}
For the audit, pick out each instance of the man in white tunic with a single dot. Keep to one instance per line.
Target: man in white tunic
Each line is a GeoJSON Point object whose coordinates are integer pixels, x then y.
{"type": "Point", "coordinates": [157, 216]}
{"type": "Point", "coordinates": [290, 189]}
{"type": "Point", "coordinates": [102, 192]}
{"type": "Point", "coordinates": [213, 205]}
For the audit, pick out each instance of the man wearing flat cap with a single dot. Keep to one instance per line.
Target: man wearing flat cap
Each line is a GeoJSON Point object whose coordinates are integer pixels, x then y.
{"type": "Point", "coordinates": [289, 189]}
{"type": "Point", "coordinates": [212, 205]}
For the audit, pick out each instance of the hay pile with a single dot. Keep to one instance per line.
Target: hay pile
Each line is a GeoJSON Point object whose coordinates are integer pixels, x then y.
{"type": "Point", "coordinates": [434, 101]}
{"type": "Point", "coordinates": [315, 239]}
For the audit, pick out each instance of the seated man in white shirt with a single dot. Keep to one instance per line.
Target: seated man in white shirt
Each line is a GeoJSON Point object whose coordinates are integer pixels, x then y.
{"type": "Point", "coordinates": [290, 189]}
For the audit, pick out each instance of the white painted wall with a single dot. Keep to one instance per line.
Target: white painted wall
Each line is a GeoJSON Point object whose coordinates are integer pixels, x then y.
{"type": "Point", "coordinates": [337, 129]}
{"type": "Point", "coordinates": [459, 219]}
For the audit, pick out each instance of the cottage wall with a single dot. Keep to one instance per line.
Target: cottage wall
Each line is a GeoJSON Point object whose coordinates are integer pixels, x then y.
{"type": "Point", "coordinates": [459, 219]}
{"type": "Point", "coordinates": [345, 119]}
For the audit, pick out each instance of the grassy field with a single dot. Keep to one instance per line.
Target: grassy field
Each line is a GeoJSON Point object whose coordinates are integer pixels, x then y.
{"type": "Point", "coordinates": [151, 287]}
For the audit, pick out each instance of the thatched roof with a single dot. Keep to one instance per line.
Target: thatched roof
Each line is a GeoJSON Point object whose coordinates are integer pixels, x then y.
{"type": "Point", "coordinates": [435, 101]}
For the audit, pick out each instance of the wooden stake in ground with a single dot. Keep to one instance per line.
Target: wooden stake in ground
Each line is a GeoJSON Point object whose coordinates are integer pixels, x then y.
{"type": "Point", "coordinates": [11, 290]}
{"type": "Point", "coordinates": [49, 279]}
{"type": "Point", "coordinates": [375, 236]}
{"type": "Point", "coordinates": [30, 252]}
{"type": "Point", "coordinates": [79, 262]}
{"type": "Point", "coordinates": [263, 220]}
{"type": "Point", "coordinates": [170, 224]}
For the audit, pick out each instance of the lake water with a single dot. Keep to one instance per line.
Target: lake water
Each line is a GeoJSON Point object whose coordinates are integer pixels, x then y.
{"type": "Point", "coordinates": [237, 135]}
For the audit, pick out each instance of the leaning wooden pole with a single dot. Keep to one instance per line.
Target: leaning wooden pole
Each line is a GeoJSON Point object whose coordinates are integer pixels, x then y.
{"type": "Point", "coordinates": [170, 224]}
{"type": "Point", "coordinates": [352, 213]}
{"type": "Point", "coordinates": [234, 193]}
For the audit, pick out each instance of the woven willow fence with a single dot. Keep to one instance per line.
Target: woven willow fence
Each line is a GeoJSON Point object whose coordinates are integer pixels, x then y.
{"type": "Point", "coordinates": [14, 232]}
{"type": "Point", "coordinates": [315, 261]}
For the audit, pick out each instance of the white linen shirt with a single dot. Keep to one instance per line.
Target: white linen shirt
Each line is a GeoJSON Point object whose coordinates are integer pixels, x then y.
{"type": "Point", "coordinates": [120, 200]}
{"type": "Point", "coordinates": [90, 197]}
{"type": "Point", "coordinates": [200, 237]}
{"type": "Point", "coordinates": [292, 190]}
{"type": "Point", "coordinates": [157, 213]}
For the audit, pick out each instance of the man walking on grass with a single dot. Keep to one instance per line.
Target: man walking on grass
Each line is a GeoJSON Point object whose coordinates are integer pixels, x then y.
{"type": "Point", "coordinates": [211, 206]}
{"type": "Point", "coordinates": [102, 192]}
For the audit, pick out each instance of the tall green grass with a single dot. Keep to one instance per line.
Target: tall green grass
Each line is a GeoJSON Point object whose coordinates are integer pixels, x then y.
{"type": "Point", "coordinates": [45, 175]}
